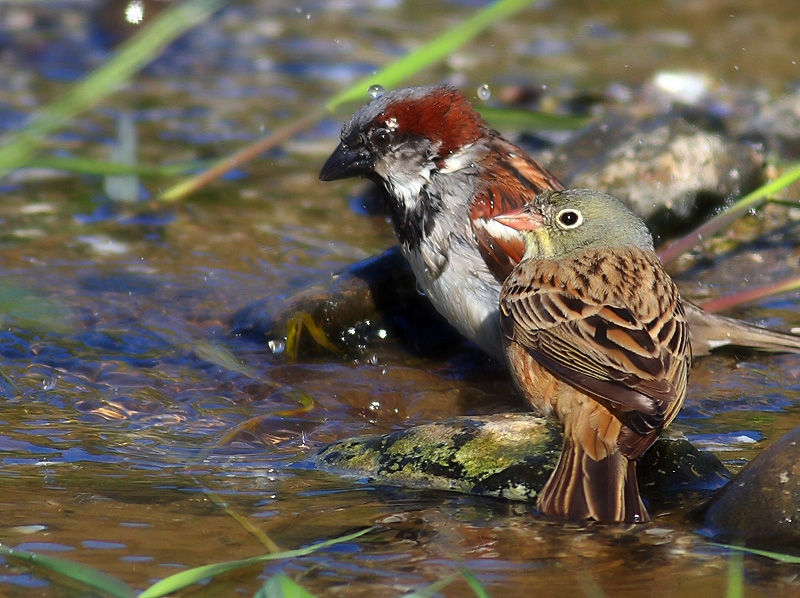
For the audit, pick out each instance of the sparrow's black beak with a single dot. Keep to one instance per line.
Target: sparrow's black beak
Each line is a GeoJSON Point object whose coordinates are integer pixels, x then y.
{"type": "Point", "coordinates": [345, 163]}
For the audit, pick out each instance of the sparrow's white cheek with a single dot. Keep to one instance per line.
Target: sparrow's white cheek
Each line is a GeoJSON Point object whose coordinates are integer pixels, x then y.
{"type": "Point", "coordinates": [407, 189]}
{"type": "Point", "coordinates": [405, 183]}
{"type": "Point", "coordinates": [457, 161]}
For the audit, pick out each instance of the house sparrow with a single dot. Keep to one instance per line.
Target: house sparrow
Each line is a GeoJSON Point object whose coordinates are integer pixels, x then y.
{"type": "Point", "coordinates": [445, 175]}
{"type": "Point", "coordinates": [596, 336]}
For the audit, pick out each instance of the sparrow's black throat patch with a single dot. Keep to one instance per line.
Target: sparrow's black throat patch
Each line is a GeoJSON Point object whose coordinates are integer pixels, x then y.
{"type": "Point", "coordinates": [412, 224]}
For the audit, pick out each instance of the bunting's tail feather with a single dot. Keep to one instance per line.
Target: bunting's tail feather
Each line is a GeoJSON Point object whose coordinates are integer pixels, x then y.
{"type": "Point", "coordinates": [582, 488]}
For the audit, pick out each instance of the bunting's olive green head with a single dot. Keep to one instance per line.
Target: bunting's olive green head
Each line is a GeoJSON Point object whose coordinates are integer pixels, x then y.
{"type": "Point", "coordinates": [557, 224]}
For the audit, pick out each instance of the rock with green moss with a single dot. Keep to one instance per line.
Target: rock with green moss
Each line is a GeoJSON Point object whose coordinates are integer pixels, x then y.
{"type": "Point", "coordinates": [508, 456]}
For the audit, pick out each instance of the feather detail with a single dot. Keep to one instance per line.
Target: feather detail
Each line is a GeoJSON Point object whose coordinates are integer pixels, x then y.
{"type": "Point", "coordinates": [571, 316]}
{"type": "Point", "coordinates": [581, 487]}
{"type": "Point", "coordinates": [593, 478]}
{"type": "Point", "coordinates": [501, 250]}
{"type": "Point", "coordinates": [516, 179]}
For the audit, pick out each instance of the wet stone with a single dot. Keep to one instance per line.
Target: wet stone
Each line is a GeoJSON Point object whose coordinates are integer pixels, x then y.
{"type": "Point", "coordinates": [351, 310]}
{"type": "Point", "coordinates": [777, 127]}
{"type": "Point", "coordinates": [669, 171]}
{"type": "Point", "coordinates": [674, 465]}
{"type": "Point", "coordinates": [507, 456]}
{"type": "Point", "coordinates": [761, 504]}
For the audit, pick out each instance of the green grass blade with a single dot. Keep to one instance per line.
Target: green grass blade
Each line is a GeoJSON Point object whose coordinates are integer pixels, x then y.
{"type": "Point", "coordinates": [429, 53]}
{"type": "Point", "coordinates": [281, 586]}
{"type": "Point", "coordinates": [102, 168]}
{"type": "Point", "coordinates": [735, 587]}
{"type": "Point", "coordinates": [527, 120]}
{"type": "Point", "coordinates": [775, 556]}
{"type": "Point", "coordinates": [17, 148]}
{"type": "Point", "coordinates": [388, 77]}
{"type": "Point", "coordinates": [244, 155]}
{"type": "Point", "coordinates": [434, 588]}
{"type": "Point", "coordinates": [752, 200]}
{"type": "Point", "coordinates": [176, 582]}
{"type": "Point", "coordinates": [474, 583]}
{"type": "Point", "coordinates": [243, 521]}
{"type": "Point", "coordinates": [83, 574]}
{"type": "Point", "coordinates": [220, 356]}
{"type": "Point", "coordinates": [589, 586]}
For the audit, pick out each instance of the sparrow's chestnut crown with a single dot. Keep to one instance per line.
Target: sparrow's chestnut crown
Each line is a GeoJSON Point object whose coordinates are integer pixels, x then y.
{"type": "Point", "coordinates": [438, 119]}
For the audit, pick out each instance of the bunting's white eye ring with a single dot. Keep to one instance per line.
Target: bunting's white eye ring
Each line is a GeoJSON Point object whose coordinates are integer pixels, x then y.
{"type": "Point", "coordinates": [569, 218]}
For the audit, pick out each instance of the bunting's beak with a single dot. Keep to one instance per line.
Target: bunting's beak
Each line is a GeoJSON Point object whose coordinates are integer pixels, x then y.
{"type": "Point", "coordinates": [520, 220]}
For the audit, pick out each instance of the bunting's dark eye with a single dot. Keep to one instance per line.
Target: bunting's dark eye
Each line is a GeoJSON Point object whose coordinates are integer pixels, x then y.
{"type": "Point", "coordinates": [381, 138]}
{"type": "Point", "coordinates": [569, 218]}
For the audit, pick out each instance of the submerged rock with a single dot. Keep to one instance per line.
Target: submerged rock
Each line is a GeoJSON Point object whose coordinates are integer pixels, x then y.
{"type": "Point", "coordinates": [349, 310]}
{"type": "Point", "coordinates": [508, 456]}
{"type": "Point", "coordinates": [761, 504]}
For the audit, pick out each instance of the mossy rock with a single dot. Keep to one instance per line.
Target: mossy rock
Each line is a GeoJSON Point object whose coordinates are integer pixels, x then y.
{"type": "Point", "coordinates": [508, 456]}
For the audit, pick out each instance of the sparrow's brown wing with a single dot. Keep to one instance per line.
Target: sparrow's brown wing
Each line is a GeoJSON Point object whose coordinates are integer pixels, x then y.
{"type": "Point", "coordinates": [620, 339]}
{"type": "Point", "coordinates": [516, 180]}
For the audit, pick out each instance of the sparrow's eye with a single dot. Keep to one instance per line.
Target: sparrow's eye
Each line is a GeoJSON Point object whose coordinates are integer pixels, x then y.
{"type": "Point", "coordinates": [569, 219]}
{"type": "Point", "coordinates": [381, 138]}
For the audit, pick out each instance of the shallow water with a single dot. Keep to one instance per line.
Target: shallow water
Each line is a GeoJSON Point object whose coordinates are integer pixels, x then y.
{"type": "Point", "coordinates": [124, 404]}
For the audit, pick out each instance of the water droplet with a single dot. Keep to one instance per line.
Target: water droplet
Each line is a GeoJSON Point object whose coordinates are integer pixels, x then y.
{"type": "Point", "coordinates": [376, 91]}
{"type": "Point", "coordinates": [28, 529]}
{"type": "Point", "coordinates": [484, 93]}
{"type": "Point", "coordinates": [277, 347]}
{"type": "Point", "coordinates": [134, 12]}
